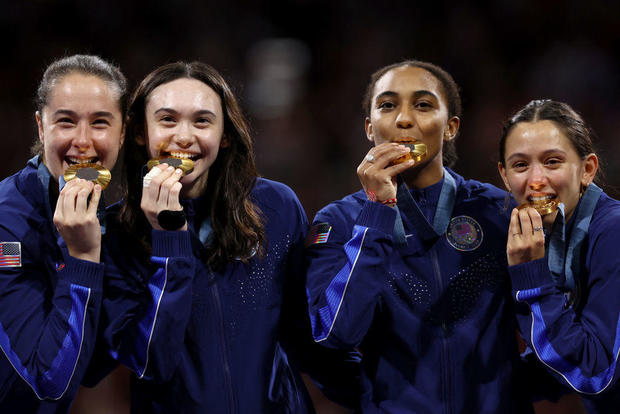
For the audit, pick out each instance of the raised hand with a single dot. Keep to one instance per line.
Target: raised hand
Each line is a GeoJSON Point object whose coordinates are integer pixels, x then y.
{"type": "Point", "coordinates": [76, 219]}
{"type": "Point", "coordinates": [376, 174]}
{"type": "Point", "coordinates": [526, 238]}
{"type": "Point", "coordinates": [160, 191]}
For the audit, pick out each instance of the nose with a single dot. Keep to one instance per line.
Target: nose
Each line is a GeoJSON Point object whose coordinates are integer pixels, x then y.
{"type": "Point", "coordinates": [183, 138]}
{"type": "Point", "coordinates": [537, 179]}
{"type": "Point", "coordinates": [82, 140]}
{"type": "Point", "coordinates": [404, 118]}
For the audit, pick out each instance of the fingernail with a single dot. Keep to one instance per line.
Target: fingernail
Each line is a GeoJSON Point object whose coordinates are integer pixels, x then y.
{"type": "Point", "coordinates": [170, 168]}
{"type": "Point", "coordinates": [178, 171]}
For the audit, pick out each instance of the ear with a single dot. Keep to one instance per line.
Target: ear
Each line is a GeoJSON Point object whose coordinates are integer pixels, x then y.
{"type": "Point", "coordinates": [452, 128]}
{"type": "Point", "coordinates": [502, 173]}
{"type": "Point", "coordinates": [368, 128]}
{"type": "Point", "coordinates": [123, 135]}
{"type": "Point", "coordinates": [590, 167]}
{"type": "Point", "coordinates": [37, 116]}
{"type": "Point", "coordinates": [224, 142]}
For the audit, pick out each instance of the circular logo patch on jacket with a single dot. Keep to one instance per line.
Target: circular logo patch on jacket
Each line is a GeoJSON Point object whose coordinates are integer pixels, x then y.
{"type": "Point", "coordinates": [464, 233]}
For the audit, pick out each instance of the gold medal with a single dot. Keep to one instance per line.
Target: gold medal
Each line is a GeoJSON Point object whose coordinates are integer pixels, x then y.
{"type": "Point", "coordinates": [543, 207]}
{"type": "Point", "coordinates": [91, 172]}
{"type": "Point", "coordinates": [417, 151]}
{"type": "Point", "coordinates": [185, 164]}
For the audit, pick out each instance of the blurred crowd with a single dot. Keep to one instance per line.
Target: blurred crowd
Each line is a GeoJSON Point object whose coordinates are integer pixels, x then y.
{"type": "Point", "coordinates": [301, 67]}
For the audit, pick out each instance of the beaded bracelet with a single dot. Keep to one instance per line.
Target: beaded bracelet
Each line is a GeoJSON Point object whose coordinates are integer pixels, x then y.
{"type": "Point", "coordinates": [391, 202]}
{"type": "Point", "coordinates": [372, 196]}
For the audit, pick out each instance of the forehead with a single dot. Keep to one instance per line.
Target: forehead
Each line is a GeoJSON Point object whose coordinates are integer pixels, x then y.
{"type": "Point", "coordinates": [87, 91]}
{"type": "Point", "coordinates": [543, 135]}
{"type": "Point", "coordinates": [180, 94]}
{"type": "Point", "coordinates": [406, 80]}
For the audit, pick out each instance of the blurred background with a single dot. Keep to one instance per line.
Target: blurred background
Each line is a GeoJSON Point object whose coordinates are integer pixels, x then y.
{"type": "Point", "coordinates": [300, 68]}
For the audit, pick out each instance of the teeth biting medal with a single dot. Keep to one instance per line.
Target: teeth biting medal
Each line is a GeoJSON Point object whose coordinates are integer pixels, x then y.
{"type": "Point", "coordinates": [184, 164]}
{"type": "Point", "coordinates": [543, 206]}
{"type": "Point", "coordinates": [89, 171]}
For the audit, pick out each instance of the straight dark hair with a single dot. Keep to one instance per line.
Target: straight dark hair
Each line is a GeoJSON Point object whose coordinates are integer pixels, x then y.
{"type": "Point", "coordinates": [238, 229]}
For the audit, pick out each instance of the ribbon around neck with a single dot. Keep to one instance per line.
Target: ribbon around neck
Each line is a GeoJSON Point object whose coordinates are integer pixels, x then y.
{"type": "Point", "coordinates": [565, 256]}
{"type": "Point", "coordinates": [443, 212]}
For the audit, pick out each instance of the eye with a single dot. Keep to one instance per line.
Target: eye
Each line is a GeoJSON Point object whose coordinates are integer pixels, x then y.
{"type": "Point", "coordinates": [519, 166]}
{"type": "Point", "coordinates": [65, 122]}
{"type": "Point", "coordinates": [167, 120]}
{"type": "Point", "coordinates": [423, 105]}
{"type": "Point", "coordinates": [553, 162]}
{"type": "Point", "coordinates": [386, 105]}
{"type": "Point", "coordinates": [202, 122]}
{"type": "Point", "coordinates": [101, 123]}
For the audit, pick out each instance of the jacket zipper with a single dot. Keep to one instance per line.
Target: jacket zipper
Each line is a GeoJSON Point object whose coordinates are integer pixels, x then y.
{"type": "Point", "coordinates": [225, 360]}
{"type": "Point", "coordinates": [444, 366]}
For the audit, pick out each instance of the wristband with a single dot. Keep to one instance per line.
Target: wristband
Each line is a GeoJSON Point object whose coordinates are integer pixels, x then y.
{"type": "Point", "coordinates": [171, 220]}
{"type": "Point", "coordinates": [391, 202]}
{"type": "Point", "coordinates": [372, 196]}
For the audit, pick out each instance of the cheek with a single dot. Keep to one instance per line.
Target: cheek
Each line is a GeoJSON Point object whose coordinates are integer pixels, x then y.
{"type": "Point", "coordinates": [155, 140]}
{"type": "Point", "coordinates": [518, 186]}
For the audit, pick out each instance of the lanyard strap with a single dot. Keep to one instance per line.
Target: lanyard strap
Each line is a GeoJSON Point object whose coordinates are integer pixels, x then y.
{"type": "Point", "coordinates": [564, 258]}
{"type": "Point", "coordinates": [443, 211]}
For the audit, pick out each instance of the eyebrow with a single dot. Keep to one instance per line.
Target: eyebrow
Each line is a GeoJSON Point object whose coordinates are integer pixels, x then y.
{"type": "Point", "coordinates": [68, 112]}
{"type": "Point", "coordinates": [547, 152]}
{"type": "Point", "coordinates": [175, 112]}
{"type": "Point", "coordinates": [416, 94]}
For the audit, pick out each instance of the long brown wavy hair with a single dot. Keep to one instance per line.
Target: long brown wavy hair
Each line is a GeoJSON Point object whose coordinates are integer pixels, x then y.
{"type": "Point", "coordinates": [235, 219]}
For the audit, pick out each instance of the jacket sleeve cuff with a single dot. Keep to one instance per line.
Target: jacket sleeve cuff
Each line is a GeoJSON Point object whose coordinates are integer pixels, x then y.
{"type": "Point", "coordinates": [171, 243]}
{"type": "Point", "coordinates": [82, 272]}
{"type": "Point", "coordinates": [530, 275]}
{"type": "Point", "coordinates": [377, 216]}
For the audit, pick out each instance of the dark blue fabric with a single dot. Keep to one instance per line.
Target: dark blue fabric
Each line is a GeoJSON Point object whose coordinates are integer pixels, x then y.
{"type": "Point", "coordinates": [224, 340]}
{"type": "Point", "coordinates": [435, 325]}
{"type": "Point", "coordinates": [576, 334]}
{"type": "Point", "coordinates": [49, 307]}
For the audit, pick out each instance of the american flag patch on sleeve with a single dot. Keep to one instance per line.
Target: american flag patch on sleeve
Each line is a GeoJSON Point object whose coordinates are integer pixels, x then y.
{"type": "Point", "coordinates": [318, 234]}
{"type": "Point", "coordinates": [10, 254]}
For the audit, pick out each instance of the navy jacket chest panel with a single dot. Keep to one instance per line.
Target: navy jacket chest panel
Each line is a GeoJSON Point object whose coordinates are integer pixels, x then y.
{"type": "Point", "coordinates": [434, 283]}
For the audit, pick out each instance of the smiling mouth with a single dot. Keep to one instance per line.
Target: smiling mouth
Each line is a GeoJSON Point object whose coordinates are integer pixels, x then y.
{"type": "Point", "coordinates": [180, 154]}
{"type": "Point", "coordinates": [77, 161]}
{"type": "Point", "coordinates": [545, 204]}
{"type": "Point", "coordinates": [177, 159]}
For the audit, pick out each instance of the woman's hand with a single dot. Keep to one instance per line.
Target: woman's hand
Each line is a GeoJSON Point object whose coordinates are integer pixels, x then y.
{"type": "Point", "coordinates": [526, 238]}
{"type": "Point", "coordinates": [160, 192]}
{"type": "Point", "coordinates": [376, 177]}
{"type": "Point", "coordinates": [76, 219]}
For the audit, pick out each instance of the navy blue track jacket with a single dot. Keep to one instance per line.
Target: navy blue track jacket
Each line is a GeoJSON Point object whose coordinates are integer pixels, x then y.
{"type": "Point", "coordinates": [577, 335]}
{"type": "Point", "coordinates": [423, 292]}
{"type": "Point", "coordinates": [49, 301]}
{"type": "Point", "coordinates": [218, 341]}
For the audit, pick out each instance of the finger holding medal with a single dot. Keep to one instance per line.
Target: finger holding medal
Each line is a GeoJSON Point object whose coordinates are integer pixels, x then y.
{"type": "Point", "coordinates": [76, 219]}
{"type": "Point", "coordinates": [377, 171]}
{"type": "Point", "coordinates": [160, 198]}
{"type": "Point", "coordinates": [526, 239]}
